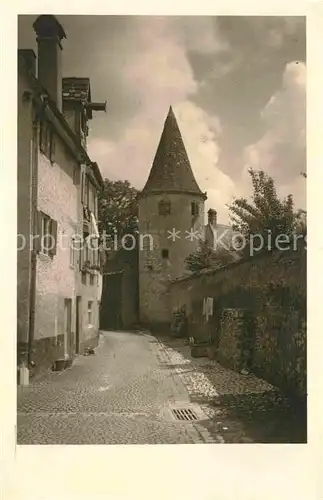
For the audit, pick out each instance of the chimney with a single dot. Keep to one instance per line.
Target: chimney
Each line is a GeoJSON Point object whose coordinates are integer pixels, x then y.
{"type": "Point", "coordinates": [29, 57]}
{"type": "Point", "coordinates": [212, 217]}
{"type": "Point", "coordinates": [49, 36]}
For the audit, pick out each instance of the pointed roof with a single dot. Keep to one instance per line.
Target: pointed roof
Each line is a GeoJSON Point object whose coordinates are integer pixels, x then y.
{"type": "Point", "coordinates": [171, 170]}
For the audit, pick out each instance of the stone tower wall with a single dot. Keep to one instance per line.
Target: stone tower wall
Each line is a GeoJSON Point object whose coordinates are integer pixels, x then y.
{"type": "Point", "coordinates": [155, 272]}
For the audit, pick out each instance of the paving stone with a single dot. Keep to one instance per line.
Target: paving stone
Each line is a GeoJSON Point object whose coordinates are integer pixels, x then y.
{"type": "Point", "coordinates": [118, 396]}
{"type": "Point", "coordinates": [112, 397]}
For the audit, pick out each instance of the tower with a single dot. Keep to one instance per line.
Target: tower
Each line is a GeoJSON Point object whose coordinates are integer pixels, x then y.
{"type": "Point", "coordinates": [171, 217]}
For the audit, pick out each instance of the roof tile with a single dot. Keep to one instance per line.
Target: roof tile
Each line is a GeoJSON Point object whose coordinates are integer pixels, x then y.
{"type": "Point", "coordinates": [171, 169]}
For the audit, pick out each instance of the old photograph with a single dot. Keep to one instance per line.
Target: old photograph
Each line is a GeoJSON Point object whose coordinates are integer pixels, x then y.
{"type": "Point", "coordinates": [161, 215]}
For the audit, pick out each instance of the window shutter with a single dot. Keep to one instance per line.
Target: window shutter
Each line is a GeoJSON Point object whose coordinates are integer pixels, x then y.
{"type": "Point", "coordinates": [82, 186]}
{"type": "Point", "coordinates": [81, 254]}
{"type": "Point", "coordinates": [52, 146]}
{"type": "Point", "coordinates": [53, 232]}
{"type": "Point", "coordinates": [38, 235]}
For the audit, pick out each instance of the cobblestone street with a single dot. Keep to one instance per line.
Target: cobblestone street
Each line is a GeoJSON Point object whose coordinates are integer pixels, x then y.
{"type": "Point", "coordinates": [125, 393]}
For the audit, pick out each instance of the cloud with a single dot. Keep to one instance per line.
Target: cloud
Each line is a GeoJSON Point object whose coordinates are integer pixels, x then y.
{"type": "Point", "coordinates": [201, 132]}
{"type": "Point", "coordinates": [281, 151]}
{"type": "Point", "coordinates": [160, 75]}
{"type": "Point", "coordinates": [143, 65]}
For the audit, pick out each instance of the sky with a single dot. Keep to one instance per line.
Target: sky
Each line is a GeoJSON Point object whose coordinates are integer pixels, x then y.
{"type": "Point", "coordinates": [237, 86]}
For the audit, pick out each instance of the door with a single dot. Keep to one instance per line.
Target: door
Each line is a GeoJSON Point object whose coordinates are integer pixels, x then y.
{"type": "Point", "coordinates": [68, 328]}
{"type": "Point", "coordinates": [78, 323]}
{"type": "Point", "coordinates": [111, 303]}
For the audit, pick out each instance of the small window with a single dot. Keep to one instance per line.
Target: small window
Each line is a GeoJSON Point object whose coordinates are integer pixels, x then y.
{"type": "Point", "coordinates": [194, 208]}
{"type": "Point", "coordinates": [164, 207]}
{"type": "Point", "coordinates": [165, 253]}
{"type": "Point", "coordinates": [90, 312]}
{"type": "Point", "coordinates": [92, 279]}
{"type": "Point", "coordinates": [47, 234]}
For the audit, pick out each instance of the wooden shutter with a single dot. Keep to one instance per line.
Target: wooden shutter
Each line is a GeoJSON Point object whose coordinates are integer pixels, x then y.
{"type": "Point", "coordinates": [82, 185]}
{"type": "Point", "coordinates": [38, 233]}
{"type": "Point", "coordinates": [53, 232]}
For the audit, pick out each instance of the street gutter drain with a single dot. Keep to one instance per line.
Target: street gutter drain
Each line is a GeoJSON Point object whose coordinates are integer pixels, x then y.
{"type": "Point", "coordinates": [184, 414]}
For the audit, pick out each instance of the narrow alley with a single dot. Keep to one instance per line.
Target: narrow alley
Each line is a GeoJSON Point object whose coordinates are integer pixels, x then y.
{"type": "Point", "coordinates": [137, 389]}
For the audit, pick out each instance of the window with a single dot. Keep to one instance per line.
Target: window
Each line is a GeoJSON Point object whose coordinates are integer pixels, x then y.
{"type": "Point", "coordinates": [95, 204]}
{"type": "Point", "coordinates": [90, 312]}
{"type": "Point", "coordinates": [82, 185]}
{"type": "Point", "coordinates": [164, 207]}
{"type": "Point", "coordinates": [46, 140]}
{"type": "Point", "coordinates": [92, 279]}
{"type": "Point", "coordinates": [85, 188]}
{"type": "Point", "coordinates": [165, 253]}
{"type": "Point", "coordinates": [86, 191]}
{"type": "Point", "coordinates": [91, 197]}
{"type": "Point", "coordinates": [46, 235]}
{"type": "Point", "coordinates": [194, 208]}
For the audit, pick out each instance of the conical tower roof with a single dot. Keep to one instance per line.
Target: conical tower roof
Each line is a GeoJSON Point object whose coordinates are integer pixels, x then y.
{"type": "Point", "coordinates": [171, 170]}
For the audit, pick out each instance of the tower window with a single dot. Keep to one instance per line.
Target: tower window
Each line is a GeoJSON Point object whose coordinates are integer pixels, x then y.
{"type": "Point", "coordinates": [165, 253]}
{"type": "Point", "coordinates": [194, 208]}
{"type": "Point", "coordinates": [164, 207]}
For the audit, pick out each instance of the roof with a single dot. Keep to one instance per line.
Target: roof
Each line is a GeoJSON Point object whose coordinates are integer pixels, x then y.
{"type": "Point", "coordinates": [77, 89]}
{"type": "Point", "coordinates": [171, 170]}
{"type": "Point", "coordinates": [48, 106]}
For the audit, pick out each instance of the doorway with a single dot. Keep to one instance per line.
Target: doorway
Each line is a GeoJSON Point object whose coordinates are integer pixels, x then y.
{"type": "Point", "coordinates": [111, 303]}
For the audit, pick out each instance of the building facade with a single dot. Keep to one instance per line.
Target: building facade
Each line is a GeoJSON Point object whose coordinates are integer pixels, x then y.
{"type": "Point", "coordinates": [171, 222]}
{"type": "Point", "coordinates": [59, 280]}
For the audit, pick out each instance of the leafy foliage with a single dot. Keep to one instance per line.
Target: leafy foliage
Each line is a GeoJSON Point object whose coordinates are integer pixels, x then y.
{"type": "Point", "coordinates": [207, 258]}
{"type": "Point", "coordinates": [265, 215]}
{"type": "Point", "coordinates": [118, 208]}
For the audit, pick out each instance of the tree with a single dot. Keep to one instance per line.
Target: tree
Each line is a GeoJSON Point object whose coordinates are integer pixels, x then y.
{"type": "Point", "coordinates": [207, 258]}
{"type": "Point", "coordinates": [265, 217]}
{"type": "Point", "coordinates": [118, 208]}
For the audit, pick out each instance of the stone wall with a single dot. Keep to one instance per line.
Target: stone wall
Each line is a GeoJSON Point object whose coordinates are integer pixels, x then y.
{"type": "Point", "coordinates": [235, 339]}
{"type": "Point", "coordinates": [259, 315]}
